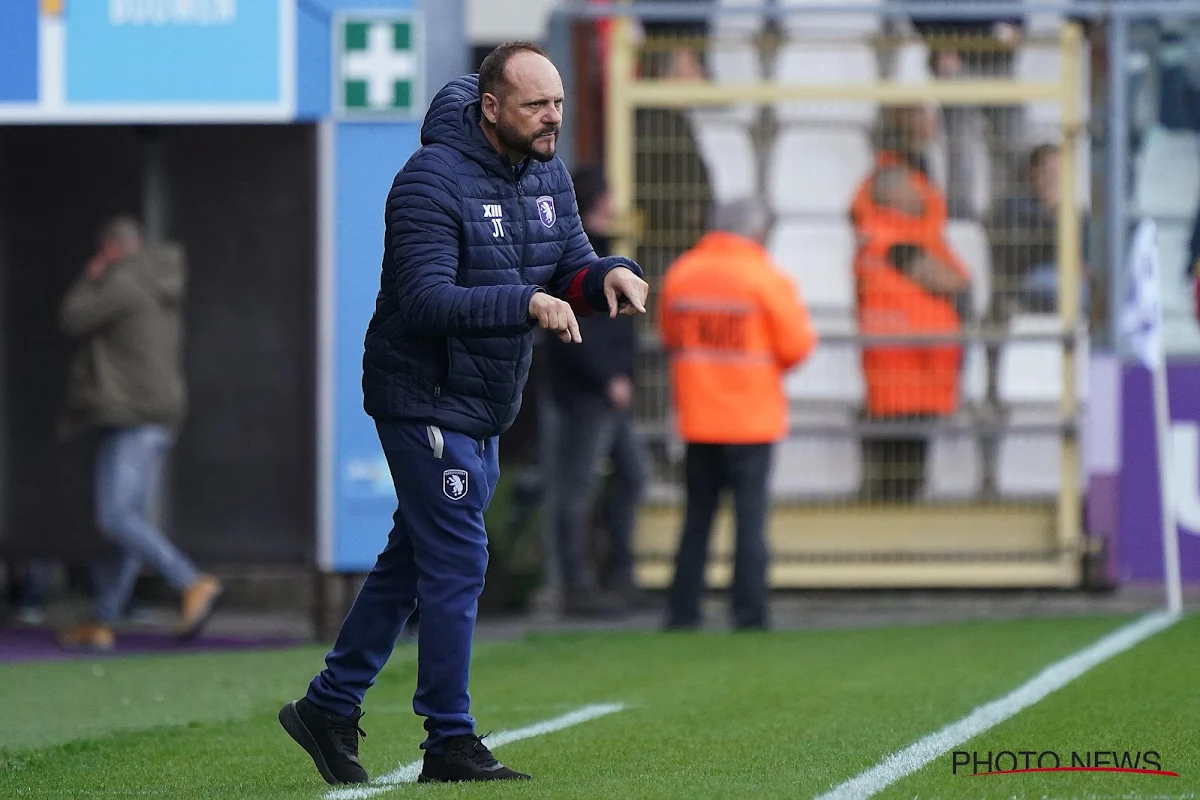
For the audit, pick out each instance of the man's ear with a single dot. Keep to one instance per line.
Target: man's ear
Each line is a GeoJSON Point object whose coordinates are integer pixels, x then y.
{"type": "Point", "coordinates": [490, 104]}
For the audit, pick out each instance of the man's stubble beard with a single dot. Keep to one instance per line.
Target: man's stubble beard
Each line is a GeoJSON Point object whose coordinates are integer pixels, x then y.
{"type": "Point", "coordinates": [513, 140]}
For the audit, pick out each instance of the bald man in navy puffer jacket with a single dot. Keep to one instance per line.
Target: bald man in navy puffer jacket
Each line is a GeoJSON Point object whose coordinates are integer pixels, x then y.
{"type": "Point", "coordinates": [483, 244]}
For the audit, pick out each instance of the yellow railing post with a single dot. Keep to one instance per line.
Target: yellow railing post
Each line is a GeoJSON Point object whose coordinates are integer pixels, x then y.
{"type": "Point", "coordinates": [1069, 280]}
{"type": "Point", "coordinates": [618, 137]}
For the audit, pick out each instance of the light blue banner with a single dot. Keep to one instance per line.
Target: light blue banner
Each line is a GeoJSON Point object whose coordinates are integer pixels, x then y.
{"type": "Point", "coordinates": [368, 156]}
{"type": "Point", "coordinates": [137, 52]}
{"type": "Point", "coordinates": [18, 51]}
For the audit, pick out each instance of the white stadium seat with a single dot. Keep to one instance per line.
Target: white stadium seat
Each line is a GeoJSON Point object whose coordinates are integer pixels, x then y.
{"type": "Point", "coordinates": [819, 256]}
{"type": "Point", "coordinates": [1031, 372]}
{"type": "Point", "coordinates": [1040, 60]}
{"type": "Point", "coordinates": [1174, 240]}
{"type": "Point", "coordinates": [733, 56]}
{"type": "Point", "coordinates": [817, 171]}
{"type": "Point", "coordinates": [825, 63]}
{"type": "Point", "coordinates": [832, 376]}
{"type": "Point", "coordinates": [1167, 183]}
{"type": "Point", "coordinates": [745, 23]}
{"type": "Point", "coordinates": [728, 153]}
{"type": "Point", "coordinates": [970, 241]}
{"type": "Point", "coordinates": [953, 467]}
{"type": "Point", "coordinates": [827, 26]}
{"type": "Point", "coordinates": [1181, 335]}
{"type": "Point", "coordinates": [734, 62]}
{"type": "Point", "coordinates": [817, 465]}
{"type": "Point", "coordinates": [1030, 381]}
{"type": "Point", "coordinates": [1029, 464]}
{"type": "Point", "coordinates": [911, 63]}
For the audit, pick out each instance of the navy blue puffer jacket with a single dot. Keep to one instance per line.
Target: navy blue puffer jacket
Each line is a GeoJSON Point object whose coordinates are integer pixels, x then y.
{"type": "Point", "coordinates": [469, 240]}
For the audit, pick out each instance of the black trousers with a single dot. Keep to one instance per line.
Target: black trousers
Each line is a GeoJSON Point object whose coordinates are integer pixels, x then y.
{"type": "Point", "coordinates": [710, 469]}
{"type": "Point", "coordinates": [591, 431]}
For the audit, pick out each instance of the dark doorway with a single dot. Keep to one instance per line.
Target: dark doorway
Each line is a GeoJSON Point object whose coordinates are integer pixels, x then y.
{"type": "Point", "coordinates": [242, 201]}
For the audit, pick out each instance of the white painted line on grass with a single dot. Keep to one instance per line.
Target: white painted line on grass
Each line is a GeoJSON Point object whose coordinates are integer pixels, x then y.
{"type": "Point", "coordinates": [407, 773]}
{"type": "Point", "coordinates": [1054, 677]}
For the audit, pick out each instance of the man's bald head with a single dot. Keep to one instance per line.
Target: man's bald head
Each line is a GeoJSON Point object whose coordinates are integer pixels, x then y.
{"type": "Point", "coordinates": [521, 99]}
{"type": "Point", "coordinates": [493, 78]}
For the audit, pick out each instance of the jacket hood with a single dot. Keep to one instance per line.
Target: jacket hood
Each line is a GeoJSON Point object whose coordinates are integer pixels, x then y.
{"type": "Point", "coordinates": [453, 120]}
{"type": "Point", "coordinates": [162, 270]}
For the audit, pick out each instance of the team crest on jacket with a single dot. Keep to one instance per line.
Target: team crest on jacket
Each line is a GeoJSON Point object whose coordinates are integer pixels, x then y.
{"type": "Point", "coordinates": [454, 483]}
{"type": "Point", "coordinates": [545, 205]}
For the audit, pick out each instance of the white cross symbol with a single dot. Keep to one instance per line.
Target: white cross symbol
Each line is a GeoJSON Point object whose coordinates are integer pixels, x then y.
{"type": "Point", "coordinates": [380, 65]}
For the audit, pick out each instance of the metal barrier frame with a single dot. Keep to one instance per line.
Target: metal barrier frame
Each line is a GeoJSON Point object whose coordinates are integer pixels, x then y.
{"type": "Point", "coordinates": [1061, 563]}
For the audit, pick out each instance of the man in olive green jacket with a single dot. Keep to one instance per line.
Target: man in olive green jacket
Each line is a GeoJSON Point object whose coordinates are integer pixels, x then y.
{"type": "Point", "coordinates": [126, 384]}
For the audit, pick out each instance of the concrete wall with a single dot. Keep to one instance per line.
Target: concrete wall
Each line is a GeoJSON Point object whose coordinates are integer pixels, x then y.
{"type": "Point", "coordinates": [495, 21]}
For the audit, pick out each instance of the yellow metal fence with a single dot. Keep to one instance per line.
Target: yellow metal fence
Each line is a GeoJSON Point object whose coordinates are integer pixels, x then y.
{"type": "Point", "coordinates": [677, 141]}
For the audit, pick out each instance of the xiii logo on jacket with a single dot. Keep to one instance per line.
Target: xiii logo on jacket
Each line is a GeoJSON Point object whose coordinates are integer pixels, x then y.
{"type": "Point", "coordinates": [495, 213]}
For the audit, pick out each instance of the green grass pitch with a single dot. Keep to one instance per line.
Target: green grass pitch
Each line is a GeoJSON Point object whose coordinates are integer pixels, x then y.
{"type": "Point", "coordinates": [706, 715]}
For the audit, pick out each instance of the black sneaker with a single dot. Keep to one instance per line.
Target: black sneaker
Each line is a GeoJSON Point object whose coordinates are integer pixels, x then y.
{"type": "Point", "coordinates": [465, 758]}
{"type": "Point", "coordinates": [331, 739]}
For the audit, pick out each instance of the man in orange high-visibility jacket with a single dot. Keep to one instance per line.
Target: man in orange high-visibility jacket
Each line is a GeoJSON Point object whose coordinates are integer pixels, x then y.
{"type": "Point", "coordinates": [733, 324]}
{"type": "Point", "coordinates": [910, 281]}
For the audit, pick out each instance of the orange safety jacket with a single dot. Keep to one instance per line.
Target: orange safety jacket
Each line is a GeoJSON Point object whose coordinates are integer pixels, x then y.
{"type": "Point", "coordinates": [732, 324]}
{"type": "Point", "coordinates": [904, 379]}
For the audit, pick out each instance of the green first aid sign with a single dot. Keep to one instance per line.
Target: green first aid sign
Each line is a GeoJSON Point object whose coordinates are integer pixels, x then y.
{"type": "Point", "coordinates": [379, 65]}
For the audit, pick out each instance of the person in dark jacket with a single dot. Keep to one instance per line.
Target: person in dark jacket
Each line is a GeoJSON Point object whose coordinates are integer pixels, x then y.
{"type": "Point", "coordinates": [592, 386]}
{"type": "Point", "coordinates": [1024, 235]}
{"type": "Point", "coordinates": [126, 383]}
{"type": "Point", "coordinates": [483, 245]}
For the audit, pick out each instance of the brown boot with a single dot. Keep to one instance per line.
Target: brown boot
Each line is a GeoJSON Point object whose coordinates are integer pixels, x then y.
{"type": "Point", "coordinates": [87, 636]}
{"type": "Point", "coordinates": [199, 601]}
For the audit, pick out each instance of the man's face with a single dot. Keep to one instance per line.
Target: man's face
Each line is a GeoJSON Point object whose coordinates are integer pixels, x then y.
{"type": "Point", "coordinates": [894, 188]}
{"type": "Point", "coordinates": [528, 114]}
{"type": "Point", "coordinates": [114, 250]}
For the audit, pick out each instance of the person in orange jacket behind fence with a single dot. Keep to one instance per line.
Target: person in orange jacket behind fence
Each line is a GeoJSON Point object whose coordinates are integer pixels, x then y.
{"type": "Point", "coordinates": [732, 324]}
{"type": "Point", "coordinates": [910, 282]}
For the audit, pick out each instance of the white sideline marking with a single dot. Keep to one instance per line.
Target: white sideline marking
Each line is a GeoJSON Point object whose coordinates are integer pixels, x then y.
{"type": "Point", "coordinates": [407, 773]}
{"type": "Point", "coordinates": [1054, 677]}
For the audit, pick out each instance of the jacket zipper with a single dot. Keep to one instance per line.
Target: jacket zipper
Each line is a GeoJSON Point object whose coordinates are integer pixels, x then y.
{"type": "Point", "coordinates": [521, 222]}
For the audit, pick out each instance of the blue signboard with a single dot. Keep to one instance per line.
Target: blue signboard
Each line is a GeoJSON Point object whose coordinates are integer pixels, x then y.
{"type": "Point", "coordinates": [202, 51]}
{"type": "Point", "coordinates": [18, 51]}
{"type": "Point", "coordinates": [368, 157]}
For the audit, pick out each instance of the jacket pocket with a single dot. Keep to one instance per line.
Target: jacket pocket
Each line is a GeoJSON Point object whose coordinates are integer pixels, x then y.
{"type": "Point", "coordinates": [452, 377]}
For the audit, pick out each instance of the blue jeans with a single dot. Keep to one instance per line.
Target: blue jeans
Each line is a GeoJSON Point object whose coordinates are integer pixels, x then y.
{"type": "Point", "coordinates": [436, 553]}
{"type": "Point", "coordinates": [129, 467]}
